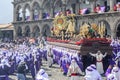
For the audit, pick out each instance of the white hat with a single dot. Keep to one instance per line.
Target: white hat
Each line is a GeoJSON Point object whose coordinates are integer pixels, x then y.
{"type": "Point", "coordinates": [89, 69]}
{"type": "Point", "coordinates": [115, 69]}
{"type": "Point", "coordinates": [93, 66]}
{"type": "Point", "coordinates": [42, 75]}
{"type": "Point", "coordinates": [3, 61]}
{"type": "Point", "coordinates": [111, 77]}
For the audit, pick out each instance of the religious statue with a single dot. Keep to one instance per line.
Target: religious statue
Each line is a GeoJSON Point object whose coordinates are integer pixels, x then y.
{"type": "Point", "coordinates": [59, 24]}
{"type": "Point", "coordinates": [84, 30]}
{"type": "Point", "coordinates": [92, 30]}
{"type": "Point", "coordinates": [71, 27]}
{"type": "Point", "coordinates": [101, 29]}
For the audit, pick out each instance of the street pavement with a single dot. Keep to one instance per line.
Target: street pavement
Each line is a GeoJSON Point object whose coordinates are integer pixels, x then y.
{"type": "Point", "coordinates": [54, 73]}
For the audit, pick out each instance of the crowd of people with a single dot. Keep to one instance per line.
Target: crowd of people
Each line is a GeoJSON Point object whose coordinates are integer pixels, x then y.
{"type": "Point", "coordinates": [25, 56]}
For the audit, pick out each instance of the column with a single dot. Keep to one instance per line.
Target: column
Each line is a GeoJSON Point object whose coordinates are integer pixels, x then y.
{"type": "Point", "coordinates": [112, 2]}
{"type": "Point", "coordinates": [93, 4]}
{"type": "Point", "coordinates": [40, 13]}
{"type": "Point", "coordinates": [31, 14]}
{"type": "Point", "coordinates": [14, 15]}
{"type": "Point", "coordinates": [23, 34]}
{"type": "Point", "coordinates": [23, 17]}
{"type": "Point", "coordinates": [32, 34]}
{"type": "Point", "coordinates": [64, 9]}
{"type": "Point", "coordinates": [113, 32]}
{"type": "Point", "coordinates": [52, 12]}
{"type": "Point", "coordinates": [77, 8]}
{"type": "Point", "coordinates": [23, 31]}
{"type": "Point", "coordinates": [14, 33]}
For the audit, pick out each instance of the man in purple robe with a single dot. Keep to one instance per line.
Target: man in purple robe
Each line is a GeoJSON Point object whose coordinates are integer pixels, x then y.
{"type": "Point", "coordinates": [117, 59]}
{"type": "Point", "coordinates": [4, 70]}
{"type": "Point", "coordinates": [108, 71]}
{"type": "Point", "coordinates": [32, 68]}
{"type": "Point", "coordinates": [64, 64]}
{"type": "Point", "coordinates": [78, 59]}
{"type": "Point", "coordinates": [38, 61]}
{"type": "Point", "coordinates": [114, 44]}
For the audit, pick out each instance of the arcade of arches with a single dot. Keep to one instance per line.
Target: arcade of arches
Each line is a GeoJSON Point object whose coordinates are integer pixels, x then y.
{"type": "Point", "coordinates": [118, 31]}
{"type": "Point", "coordinates": [33, 18]}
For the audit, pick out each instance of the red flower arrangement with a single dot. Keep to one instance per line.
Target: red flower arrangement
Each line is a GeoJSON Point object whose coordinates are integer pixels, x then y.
{"type": "Point", "coordinates": [92, 40]}
{"type": "Point", "coordinates": [55, 40]}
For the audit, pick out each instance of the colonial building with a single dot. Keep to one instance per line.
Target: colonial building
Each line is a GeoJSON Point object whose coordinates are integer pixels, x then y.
{"type": "Point", "coordinates": [33, 18]}
{"type": "Point", "coordinates": [6, 31]}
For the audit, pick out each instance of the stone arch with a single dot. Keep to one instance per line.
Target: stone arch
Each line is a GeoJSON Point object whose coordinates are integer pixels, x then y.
{"type": "Point", "coordinates": [19, 31]}
{"type": "Point", "coordinates": [107, 27]}
{"type": "Point", "coordinates": [36, 1]}
{"type": "Point", "coordinates": [36, 10]}
{"type": "Point", "coordinates": [71, 5]}
{"type": "Point", "coordinates": [44, 3]}
{"type": "Point", "coordinates": [27, 8]}
{"type": "Point", "coordinates": [27, 31]}
{"type": "Point", "coordinates": [117, 28]}
{"type": "Point", "coordinates": [18, 7]}
{"type": "Point", "coordinates": [46, 30]}
{"type": "Point", "coordinates": [58, 5]}
{"type": "Point", "coordinates": [46, 9]}
{"type": "Point", "coordinates": [19, 13]}
{"type": "Point", "coordinates": [46, 6]}
{"type": "Point", "coordinates": [118, 31]}
{"type": "Point", "coordinates": [36, 31]}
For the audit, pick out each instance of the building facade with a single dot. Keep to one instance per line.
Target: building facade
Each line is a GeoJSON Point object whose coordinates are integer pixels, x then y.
{"type": "Point", "coordinates": [6, 32]}
{"type": "Point", "coordinates": [33, 18]}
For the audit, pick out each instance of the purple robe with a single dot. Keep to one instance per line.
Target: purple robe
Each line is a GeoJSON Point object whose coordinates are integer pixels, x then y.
{"type": "Point", "coordinates": [108, 71]}
{"type": "Point", "coordinates": [64, 64]}
{"type": "Point", "coordinates": [32, 69]}
{"type": "Point", "coordinates": [57, 56]}
{"type": "Point", "coordinates": [119, 62]}
{"type": "Point", "coordinates": [12, 68]}
{"type": "Point", "coordinates": [112, 61]}
{"type": "Point", "coordinates": [79, 62]}
{"type": "Point", "coordinates": [44, 54]}
{"type": "Point", "coordinates": [38, 62]}
{"type": "Point", "coordinates": [4, 71]}
{"type": "Point", "coordinates": [118, 49]}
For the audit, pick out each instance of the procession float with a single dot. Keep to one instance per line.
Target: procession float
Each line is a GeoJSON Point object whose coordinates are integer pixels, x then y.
{"type": "Point", "coordinates": [90, 37]}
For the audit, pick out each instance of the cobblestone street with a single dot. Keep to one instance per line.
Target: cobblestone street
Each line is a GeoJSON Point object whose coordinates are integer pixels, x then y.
{"type": "Point", "coordinates": [54, 73]}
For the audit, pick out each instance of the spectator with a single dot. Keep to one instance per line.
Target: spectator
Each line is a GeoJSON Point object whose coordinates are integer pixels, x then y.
{"type": "Point", "coordinates": [21, 71]}
{"type": "Point", "coordinates": [115, 8]}
{"type": "Point", "coordinates": [4, 70]}
{"type": "Point", "coordinates": [97, 8]}
{"type": "Point", "coordinates": [118, 6]}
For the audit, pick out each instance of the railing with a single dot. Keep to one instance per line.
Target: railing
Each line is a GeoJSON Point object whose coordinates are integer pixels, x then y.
{"type": "Point", "coordinates": [113, 13]}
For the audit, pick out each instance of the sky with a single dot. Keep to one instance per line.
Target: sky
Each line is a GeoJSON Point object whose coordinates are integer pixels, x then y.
{"type": "Point", "coordinates": [6, 11]}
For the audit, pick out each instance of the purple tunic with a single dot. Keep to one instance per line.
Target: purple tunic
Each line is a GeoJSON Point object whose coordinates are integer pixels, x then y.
{"type": "Point", "coordinates": [32, 69]}
{"type": "Point", "coordinates": [64, 64]}
{"type": "Point", "coordinates": [4, 71]}
{"type": "Point", "coordinates": [38, 62]}
{"type": "Point", "coordinates": [79, 62]}
{"type": "Point", "coordinates": [108, 71]}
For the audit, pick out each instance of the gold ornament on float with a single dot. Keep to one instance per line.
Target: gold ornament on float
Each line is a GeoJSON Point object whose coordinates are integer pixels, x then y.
{"type": "Point", "coordinates": [60, 21]}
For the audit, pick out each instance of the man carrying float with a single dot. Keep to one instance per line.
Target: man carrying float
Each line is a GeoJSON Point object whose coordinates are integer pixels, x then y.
{"type": "Point", "coordinates": [74, 71]}
{"type": "Point", "coordinates": [99, 56]}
